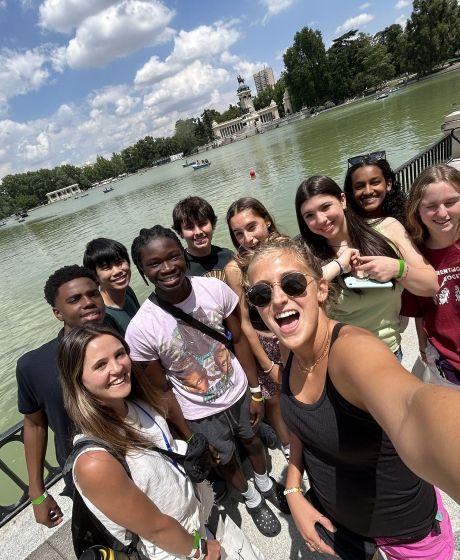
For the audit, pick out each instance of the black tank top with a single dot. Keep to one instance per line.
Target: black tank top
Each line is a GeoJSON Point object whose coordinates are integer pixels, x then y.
{"type": "Point", "coordinates": [356, 476]}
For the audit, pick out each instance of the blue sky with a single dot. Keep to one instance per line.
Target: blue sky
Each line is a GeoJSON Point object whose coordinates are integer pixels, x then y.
{"type": "Point", "coordinates": [80, 78]}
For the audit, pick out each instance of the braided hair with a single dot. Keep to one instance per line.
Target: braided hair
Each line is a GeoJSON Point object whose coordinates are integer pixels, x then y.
{"type": "Point", "coordinates": [146, 235]}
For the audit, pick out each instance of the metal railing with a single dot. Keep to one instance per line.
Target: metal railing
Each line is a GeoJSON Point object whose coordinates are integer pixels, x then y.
{"type": "Point", "coordinates": [7, 512]}
{"type": "Point", "coordinates": [439, 152]}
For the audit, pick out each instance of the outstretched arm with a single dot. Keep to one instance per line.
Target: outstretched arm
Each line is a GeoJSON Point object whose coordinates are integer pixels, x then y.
{"type": "Point", "coordinates": [35, 442]}
{"type": "Point", "coordinates": [421, 420]}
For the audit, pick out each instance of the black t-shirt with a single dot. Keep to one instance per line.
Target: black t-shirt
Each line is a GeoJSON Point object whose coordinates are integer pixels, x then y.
{"type": "Point", "coordinates": [211, 265]}
{"type": "Point", "coordinates": [39, 389]}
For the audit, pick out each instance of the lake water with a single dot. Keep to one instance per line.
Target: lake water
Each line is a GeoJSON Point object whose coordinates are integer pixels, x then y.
{"type": "Point", "coordinates": [56, 235]}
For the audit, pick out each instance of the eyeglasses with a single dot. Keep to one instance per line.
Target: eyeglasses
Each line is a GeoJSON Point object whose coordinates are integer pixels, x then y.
{"type": "Point", "coordinates": [293, 284]}
{"type": "Point", "coordinates": [374, 156]}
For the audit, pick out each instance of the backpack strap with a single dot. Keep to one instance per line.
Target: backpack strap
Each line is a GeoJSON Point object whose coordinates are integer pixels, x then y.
{"type": "Point", "coordinates": [87, 443]}
{"type": "Point", "coordinates": [190, 320]}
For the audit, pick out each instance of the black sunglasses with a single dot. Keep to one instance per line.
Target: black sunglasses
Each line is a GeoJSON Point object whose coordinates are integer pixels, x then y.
{"type": "Point", "coordinates": [364, 158]}
{"type": "Point", "coordinates": [293, 284]}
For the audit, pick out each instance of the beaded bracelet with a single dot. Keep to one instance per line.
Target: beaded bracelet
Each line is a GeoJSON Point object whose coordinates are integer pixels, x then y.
{"type": "Point", "coordinates": [292, 490]}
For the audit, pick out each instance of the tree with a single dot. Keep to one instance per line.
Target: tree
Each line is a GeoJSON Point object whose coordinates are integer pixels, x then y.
{"type": "Point", "coordinates": [306, 75]}
{"type": "Point", "coordinates": [208, 116]}
{"type": "Point", "coordinates": [233, 112]}
{"type": "Point", "coordinates": [433, 33]}
{"type": "Point", "coordinates": [264, 98]}
{"type": "Point", "coordinates": [394, 39]}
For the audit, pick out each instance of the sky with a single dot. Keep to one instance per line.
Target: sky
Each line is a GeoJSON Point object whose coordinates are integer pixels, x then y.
{"type": "Point", "coordinates": [81, 78]}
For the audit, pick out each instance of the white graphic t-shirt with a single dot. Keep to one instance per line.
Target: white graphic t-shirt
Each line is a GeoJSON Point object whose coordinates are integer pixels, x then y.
{"type": "Point", "coordinates": [206, 377]}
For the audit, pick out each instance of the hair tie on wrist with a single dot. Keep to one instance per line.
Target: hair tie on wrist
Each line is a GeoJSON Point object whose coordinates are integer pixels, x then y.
{"type": "Point", "coordinates": [339, 265]}
{"type": "Point", "coordinates": [270, 368]}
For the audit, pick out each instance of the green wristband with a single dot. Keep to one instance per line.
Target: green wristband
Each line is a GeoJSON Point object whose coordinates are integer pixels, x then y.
{"type": "Point", "coordinates": [402, 266]}
{"type": "Point", "coordinates": [40, 499]}
{"type": "Point", "coordinates": [189, 439]}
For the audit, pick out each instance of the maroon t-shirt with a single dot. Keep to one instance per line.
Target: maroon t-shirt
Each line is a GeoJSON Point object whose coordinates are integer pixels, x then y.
{"type": "Point", "coordinates": [441, 313]}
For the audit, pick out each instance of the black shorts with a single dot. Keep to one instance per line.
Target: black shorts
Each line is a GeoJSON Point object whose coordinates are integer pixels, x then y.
{"type": "Point", "coordinates": [222, 428]}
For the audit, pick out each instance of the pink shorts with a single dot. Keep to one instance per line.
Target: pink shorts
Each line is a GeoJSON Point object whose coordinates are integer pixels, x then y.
{"type": "Point", "coordinates": [432, 547]}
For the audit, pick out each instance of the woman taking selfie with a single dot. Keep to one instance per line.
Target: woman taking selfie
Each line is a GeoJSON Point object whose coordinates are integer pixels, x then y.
{"type": "Point", "coordinates": [106, 401]}
{"type": "Point", "coordinates": [250, 223]}
{"type": "Point", "coordinates": [359, 436]}
{"type": "Point", "coordinates": [384, 254]}
{"type": "Point", "coordinates": [433, 220]}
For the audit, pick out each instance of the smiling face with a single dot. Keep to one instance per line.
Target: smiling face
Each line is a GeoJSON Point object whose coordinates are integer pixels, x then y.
{"type": "Point", "coordinates": [163, 263]}
{"type": "Point", "coordinates": [107, 370]}
{"type": "Point", "coordinates": [78, 302]}
{"type": "Point", "coordinates": [323, 214]}
{"type": "Point", "coordinates": [198, 236]}
{"type": "Point", "coordinates": [369, 189]}
{"type": "Point", "coordinates": [115, 276]}
{"type": "Point", "coordinates": [249, 229]}
{"type": "Point", "coordinates": [293, 320]}
{"type": "Point", "coordinates": [439, 210]}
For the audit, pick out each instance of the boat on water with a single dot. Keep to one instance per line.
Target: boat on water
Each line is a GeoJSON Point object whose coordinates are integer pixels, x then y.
{"type": "Point", "coordinates": [86, 194]}
{"type": "Point", "coordinates": [381, 96]}
{"type": "Point", "coordinates": [198, 165]}
{"type": "Point", "coordinates": [107, 189]}
{"type": "Point", "coordinates": [188, 163]}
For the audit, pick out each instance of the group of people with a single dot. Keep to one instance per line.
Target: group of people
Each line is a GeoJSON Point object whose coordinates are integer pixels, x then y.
{"type": "Point", "coordinates": [303, 333]}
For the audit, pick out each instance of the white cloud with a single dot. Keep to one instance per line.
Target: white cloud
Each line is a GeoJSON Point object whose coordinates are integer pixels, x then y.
{"type": "Point", "coordinates": [365, 6]}
{"type": "Point", "coordinates": [21, 72]}
{"type": "Point", "coordinates": [117, 97]}
{"type": "Point", "coordinates": [402, 4]}
{"type": "Point", "coordinates": [2, 4]}
{"type": "Point", "coordinates": [65, 15]}
{"type": "Point", "coordinates": [274, 7]}
{"type": "Point", "coordinates": [193, 83]}
{"type": "Point", "coordinates": [118, 31]}
{"type": "Point", "coordinates": [401, 20]}
{"type": "Point", "coordinates": [203, 42]}
{"type": "Point", "coordinates": [355, 22]}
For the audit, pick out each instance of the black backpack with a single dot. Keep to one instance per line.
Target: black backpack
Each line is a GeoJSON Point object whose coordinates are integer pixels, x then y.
{"type": "Point", "coordinates": [89, 535]}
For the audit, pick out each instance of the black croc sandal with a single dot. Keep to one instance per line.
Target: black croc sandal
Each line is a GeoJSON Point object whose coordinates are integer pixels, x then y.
{"type": "Point", "coordinates": [276, 497]}
{"type": "Point", "coordinates": [264, 519]}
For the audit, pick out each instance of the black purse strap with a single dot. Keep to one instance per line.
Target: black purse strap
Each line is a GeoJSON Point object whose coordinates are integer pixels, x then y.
{"type": "Point", "coordinates": [189, 319]}
{"type": "Point", "coordinates": [86, 443]}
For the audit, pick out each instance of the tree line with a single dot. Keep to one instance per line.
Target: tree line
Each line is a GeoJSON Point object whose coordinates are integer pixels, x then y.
{"type": "Point", "coordinates": [354, 64]}
{"type": "Point", "coordinates": [359, 63]}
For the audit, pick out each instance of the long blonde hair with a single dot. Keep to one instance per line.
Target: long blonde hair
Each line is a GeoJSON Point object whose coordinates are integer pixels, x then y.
{"type": "Point", "coordinates": [90, 416]}
{"type": "Point", "coordinates": [435, 174]}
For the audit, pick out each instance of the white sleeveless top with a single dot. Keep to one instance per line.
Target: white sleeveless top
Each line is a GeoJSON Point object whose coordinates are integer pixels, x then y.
{"type": "Point", "coordinates": [163, 482]}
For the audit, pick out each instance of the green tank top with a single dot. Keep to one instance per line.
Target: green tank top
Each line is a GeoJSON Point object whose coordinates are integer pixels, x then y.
{"type": "Point", "coordinates": [374, 309]}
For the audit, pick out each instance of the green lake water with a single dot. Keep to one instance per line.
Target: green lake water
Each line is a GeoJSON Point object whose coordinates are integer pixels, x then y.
{"type": "Point", "coordinates": [55, 235]}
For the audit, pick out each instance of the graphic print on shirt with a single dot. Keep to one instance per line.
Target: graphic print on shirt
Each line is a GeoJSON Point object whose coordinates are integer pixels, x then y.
{"type": "Point", "coordinates": [448, 287]}
{"type": "Point", "coordinates": [201, 364]}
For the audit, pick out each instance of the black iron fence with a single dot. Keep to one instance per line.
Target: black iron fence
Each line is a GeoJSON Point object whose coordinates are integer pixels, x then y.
{"type": "Point", "coordinates": [8, 511]}
{"type": "Point", "coordinates": [439, 152]}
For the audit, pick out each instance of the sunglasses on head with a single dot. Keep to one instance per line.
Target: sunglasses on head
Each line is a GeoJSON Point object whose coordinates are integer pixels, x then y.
{"type": "Point", "coordinates": [293, 284]}
{"type": "Point", "coordinates": [364, 158]}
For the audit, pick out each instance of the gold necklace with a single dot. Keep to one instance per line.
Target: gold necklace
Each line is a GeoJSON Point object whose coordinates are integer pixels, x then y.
{"type": "Point", "coordinates": [309, 369]}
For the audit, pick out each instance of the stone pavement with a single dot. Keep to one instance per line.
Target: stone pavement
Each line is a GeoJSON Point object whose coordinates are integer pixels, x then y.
{"type": "Point", "coordinates": [23, 539]}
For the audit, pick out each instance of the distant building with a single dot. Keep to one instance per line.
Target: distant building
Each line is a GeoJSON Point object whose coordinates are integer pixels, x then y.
{"type": "Point", "coordinates": [250, 122]}
{"type": "Point", "coordinates": [263, 79]}
{"type": "Point", "coordinates": [62, 194]}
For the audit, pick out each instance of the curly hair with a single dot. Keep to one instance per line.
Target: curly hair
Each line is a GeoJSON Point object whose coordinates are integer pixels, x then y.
{"type": "Point", "coordinates": [394, 203]}
{"type": "Point", "coordinates": [249, 203]}
{"type": "Point", "coordinates": [149, 234]}
{"type": "Point", "coordinates": [64, 275]}
{"type": "Point", "coordinates": [192, 209]}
